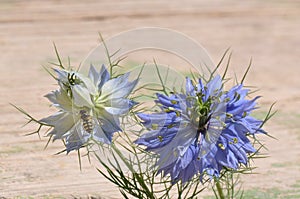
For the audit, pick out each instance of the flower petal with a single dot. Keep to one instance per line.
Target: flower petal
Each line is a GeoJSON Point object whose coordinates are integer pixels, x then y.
{"type": "Point", "coordinates": [104, 77]}
{"type": "Point", "coordinates": [60, 99]}
{"type": "Point", "coordinates": [93, 75]}
{"type": "Point", "coordinates": [101, 136]}
{"type": "Point", "coordinates": [118, 87]}
{"type": "Point", "coordinates": [62, 123]}
{"type": "Point", "coordinates": [76, 138]}
{"type": "Point", "coordinates": [118, 106]}
{"type": "Point", "coordinates": [81, 96]}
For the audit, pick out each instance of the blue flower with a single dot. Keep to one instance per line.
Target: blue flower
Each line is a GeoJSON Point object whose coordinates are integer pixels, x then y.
{"type": "Point", "coordinates": [200, 131]}
{"type": "Point", "coordinates": [89, 106]}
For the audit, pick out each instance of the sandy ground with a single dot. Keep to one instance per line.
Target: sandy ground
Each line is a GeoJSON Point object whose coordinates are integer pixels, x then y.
{"type": "Point", "coordinates": [268, 31]}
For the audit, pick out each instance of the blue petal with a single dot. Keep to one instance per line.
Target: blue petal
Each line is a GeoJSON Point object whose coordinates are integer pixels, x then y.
{"type": "Point", "coordinates": [176, 148]}
{"type": "Point", "coordinates": [200, 87]}
{"type": "Point", "coordinates": [156, 120]}
{"type": "Point", "coordinates": [184, 167]}
{"type": "Point", "coordinates": [214, 86]}
{"type": "Point", "coordinates": [239, 153]}
{"type": "Point", "coordinates": [171, 101]}
{"type": "Point", "coordinates": [157, 138]}
{"type": "Point", "coordinates": [189, 87]}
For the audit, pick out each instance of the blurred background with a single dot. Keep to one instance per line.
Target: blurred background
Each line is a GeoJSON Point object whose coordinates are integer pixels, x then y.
{"type": "Point", "coordinates": [266, 31]}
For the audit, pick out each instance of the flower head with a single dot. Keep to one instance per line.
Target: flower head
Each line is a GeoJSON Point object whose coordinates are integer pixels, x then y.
{"type": "Point", "coordinates": [200, 131]}
{"type": "Point", "coordinates": [89, 106]}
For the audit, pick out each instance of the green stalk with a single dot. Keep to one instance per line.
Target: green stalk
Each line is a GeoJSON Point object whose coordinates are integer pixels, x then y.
{"type": "Point", "coordinates": [220, 191]}
{"type": "Point", "coordinates": [136, 176]}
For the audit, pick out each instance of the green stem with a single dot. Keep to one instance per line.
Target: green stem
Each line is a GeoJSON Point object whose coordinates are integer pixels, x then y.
{"type": "Point", "coordinates": [220, 191]}
{"type": "Point", "coordinates": [137, 176]}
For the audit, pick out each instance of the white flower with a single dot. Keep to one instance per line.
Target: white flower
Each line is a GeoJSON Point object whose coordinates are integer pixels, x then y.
{"type": "Point", "coordinates": [89, 107]}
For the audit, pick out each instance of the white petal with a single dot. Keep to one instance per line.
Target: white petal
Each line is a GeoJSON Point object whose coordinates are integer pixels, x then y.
{"type": "Point", "coordinates": [117, 87]}
{"type": "Point", "coordinates": [62, 123]}
{"type": "Point", "coordinates": [93, 75]}
{"type": "Point", "coordinates": [81, 96]}
{"type": "Point", "coordinates": [118, 106]}
{"type": "Point", "coordinates": [52, 119]}
{"type": "Point", "coordinates": [109, 123]}
{"type": "Point", "coordinates": [104, 77]}
{"type": "Point", "coordinates": [88, 83]}
{"type": "Point", "coordinates": [60, 99]}
{"type": "Point", "coordinates": [76, 138]}
{"type": "Point", "coordinates": [62, 75]}
{"type": "Point", "coordinates": [100, 136]}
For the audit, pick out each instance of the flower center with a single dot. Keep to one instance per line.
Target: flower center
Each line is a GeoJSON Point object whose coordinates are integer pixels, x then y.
{"type": "Point", "coordinates": [200, 114]}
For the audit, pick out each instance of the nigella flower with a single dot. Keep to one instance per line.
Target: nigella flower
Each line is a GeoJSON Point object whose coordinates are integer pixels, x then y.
{"type": "Point", "coordinates": [89, 107]}
{"type": "Point", "coordinates": [200, 131]}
